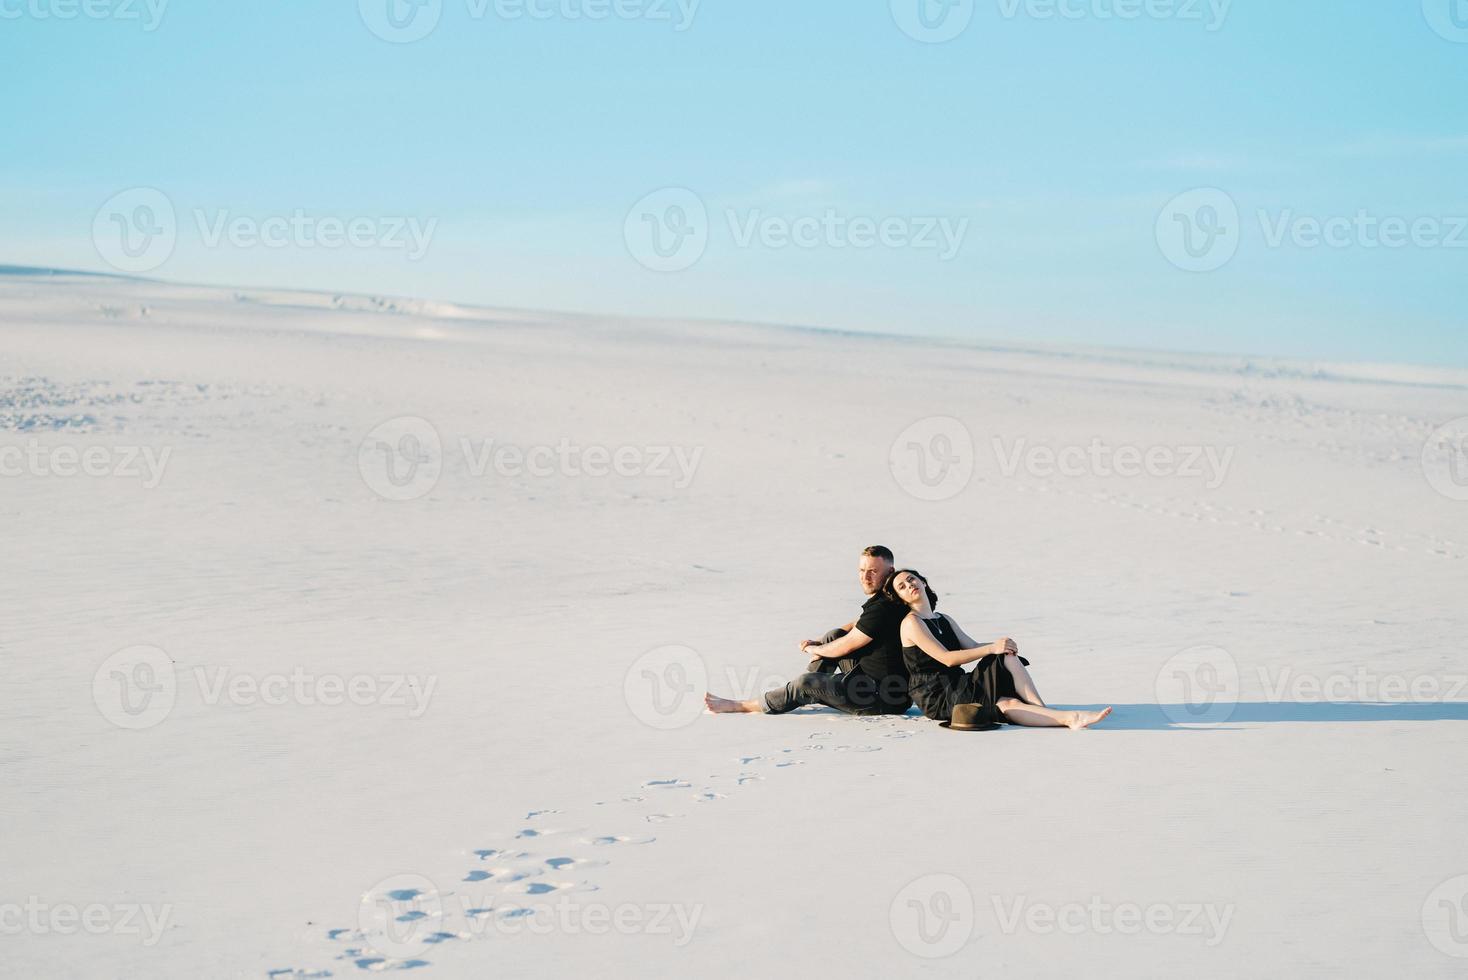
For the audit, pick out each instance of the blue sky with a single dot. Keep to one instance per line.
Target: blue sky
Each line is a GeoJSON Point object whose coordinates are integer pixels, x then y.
{"type": "Point", "coordinates": [1057, 141]}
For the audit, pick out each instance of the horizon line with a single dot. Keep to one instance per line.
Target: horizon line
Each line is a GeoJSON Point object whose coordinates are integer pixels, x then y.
{"type": "Point", "coordinates": [1009, 345]}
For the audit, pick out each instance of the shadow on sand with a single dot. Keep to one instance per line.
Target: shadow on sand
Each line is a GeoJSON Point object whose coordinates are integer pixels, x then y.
{"type": "Point", "coordinates": [1186, 717]}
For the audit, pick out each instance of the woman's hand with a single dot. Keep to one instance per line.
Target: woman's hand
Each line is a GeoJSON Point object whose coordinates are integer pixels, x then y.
{"type": "Point", "coordinates": [1005, 646]}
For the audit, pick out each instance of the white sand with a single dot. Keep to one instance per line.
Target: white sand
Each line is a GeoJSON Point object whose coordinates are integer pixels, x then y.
{"type": "Point", "coordinates": [519, 606]}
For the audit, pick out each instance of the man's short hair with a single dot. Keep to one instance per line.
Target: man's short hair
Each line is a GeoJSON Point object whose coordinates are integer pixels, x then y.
{"type": "Point", "coordinates": [878, 551]}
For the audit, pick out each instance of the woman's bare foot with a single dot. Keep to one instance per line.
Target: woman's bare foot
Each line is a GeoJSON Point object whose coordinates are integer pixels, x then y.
{"type": "Point", "coordinates": [1085, 719]}
{"type": "Point", "coordinates": [723, 706]}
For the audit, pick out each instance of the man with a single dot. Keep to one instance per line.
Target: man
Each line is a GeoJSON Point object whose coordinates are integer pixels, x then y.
{"type": "Point", "coordinates": [872, 571]}
{"type": "Point", "coordinates": [873, 678]}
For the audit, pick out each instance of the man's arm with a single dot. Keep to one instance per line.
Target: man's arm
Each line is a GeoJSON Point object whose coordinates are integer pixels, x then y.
{"type": "Point", "coordinates": [845, 628]}
{"type": "Point", "coordinates": [853, 641]}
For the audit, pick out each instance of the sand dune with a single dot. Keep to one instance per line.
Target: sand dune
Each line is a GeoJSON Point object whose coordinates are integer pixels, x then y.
{"type": "Point", "coordinates": [358, 633]}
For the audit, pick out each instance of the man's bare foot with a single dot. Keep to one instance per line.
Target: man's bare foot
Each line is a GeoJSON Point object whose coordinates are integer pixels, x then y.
{"type": "Point", "coordinates": [1085, 719]}
{"type": "Point", "coordinates": [723, 706]}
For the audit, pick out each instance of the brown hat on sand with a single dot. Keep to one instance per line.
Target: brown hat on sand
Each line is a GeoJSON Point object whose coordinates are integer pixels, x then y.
{"type": "Point", "coordinates": [973, 718]}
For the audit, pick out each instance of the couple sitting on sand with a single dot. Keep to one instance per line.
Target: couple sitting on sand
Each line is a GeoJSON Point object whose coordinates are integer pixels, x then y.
{"type": "Point", "coordinates": [900, 652]}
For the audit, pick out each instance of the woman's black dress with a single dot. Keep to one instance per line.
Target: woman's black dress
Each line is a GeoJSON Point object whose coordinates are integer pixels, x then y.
{"type": "Point", "coordinates": [936, 687]}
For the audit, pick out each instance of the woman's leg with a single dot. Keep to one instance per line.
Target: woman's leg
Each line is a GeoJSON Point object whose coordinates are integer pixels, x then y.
{"type": "Point", "coordinates": [1016, 712]}
{"type": "Point", "coordinates": [1024, 685]}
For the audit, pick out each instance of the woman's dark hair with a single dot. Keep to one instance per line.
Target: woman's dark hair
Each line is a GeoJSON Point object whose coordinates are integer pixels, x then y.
{"type": "Point", "coordinates": [891, 593]}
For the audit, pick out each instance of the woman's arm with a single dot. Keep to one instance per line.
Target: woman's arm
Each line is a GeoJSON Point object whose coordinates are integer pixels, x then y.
{"type": "Point", "coordinates": [915, 633]}
{"type": "Point", "coordinates": [1002, 645]}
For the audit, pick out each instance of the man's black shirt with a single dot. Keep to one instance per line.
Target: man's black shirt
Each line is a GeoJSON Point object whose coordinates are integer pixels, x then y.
{"type": "Point", "coordinates": [880, 674]}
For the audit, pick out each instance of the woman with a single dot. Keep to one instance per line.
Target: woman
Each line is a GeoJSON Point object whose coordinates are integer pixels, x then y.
{"type": "Point", "coordinates": [936, 648]}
